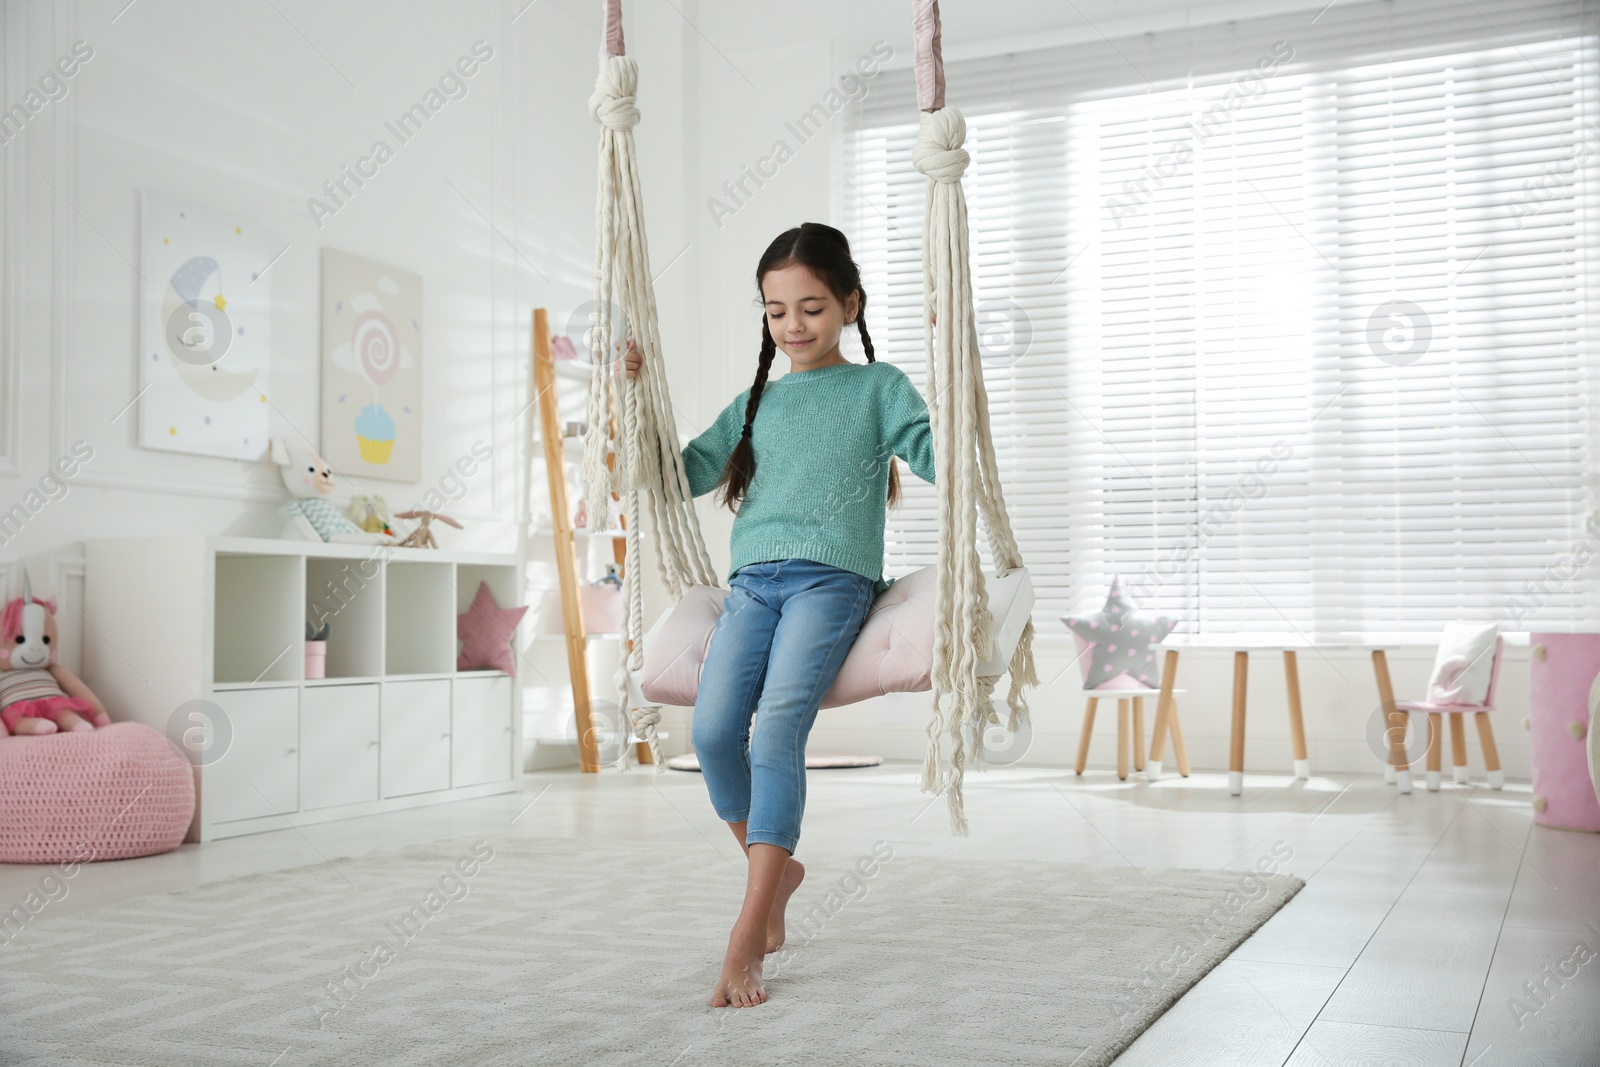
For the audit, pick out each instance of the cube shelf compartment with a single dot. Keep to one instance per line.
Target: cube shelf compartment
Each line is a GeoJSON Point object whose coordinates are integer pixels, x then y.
{"type": "Point", "coordinates": [211, 630]}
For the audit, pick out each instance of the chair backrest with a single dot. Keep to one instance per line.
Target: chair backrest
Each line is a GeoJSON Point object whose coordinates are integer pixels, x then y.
{"type": "Point", "coordinates": [1494, 671]}
{"type": "Point", "coordinates": [1449, 659]}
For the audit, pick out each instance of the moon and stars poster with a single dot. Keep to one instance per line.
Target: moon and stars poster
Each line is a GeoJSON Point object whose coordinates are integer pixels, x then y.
{"type": "Point", "coordinates": [204, 317]}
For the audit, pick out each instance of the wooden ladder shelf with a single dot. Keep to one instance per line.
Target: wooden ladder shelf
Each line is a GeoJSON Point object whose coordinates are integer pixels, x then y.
{"type": "Point", "coordinates": [566, 548]}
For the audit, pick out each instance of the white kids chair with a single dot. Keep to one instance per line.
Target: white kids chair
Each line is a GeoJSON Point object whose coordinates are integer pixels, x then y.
{"type": "Point", "coordinates": [1126, 690]}
{"type": "Point", "coordinates": [1466, 670]}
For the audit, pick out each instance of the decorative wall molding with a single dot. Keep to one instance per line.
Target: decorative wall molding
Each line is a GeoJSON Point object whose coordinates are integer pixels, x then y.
{"type": "Point", "coordinates": [13, 49]}
{"type": "Point", "coordinates": [63, 141]}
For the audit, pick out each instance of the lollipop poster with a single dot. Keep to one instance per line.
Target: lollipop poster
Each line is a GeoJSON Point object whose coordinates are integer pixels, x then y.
{"type": "Point", "coordinates": [203, 329]}
{"type": "Point", "coordinates": [371, 368]}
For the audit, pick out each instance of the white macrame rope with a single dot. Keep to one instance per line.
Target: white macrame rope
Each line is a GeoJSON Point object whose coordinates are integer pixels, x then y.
{"type": "Point", "coordinates": [649, 469]}
{"type": "Point", "coordinates": [967, 477]}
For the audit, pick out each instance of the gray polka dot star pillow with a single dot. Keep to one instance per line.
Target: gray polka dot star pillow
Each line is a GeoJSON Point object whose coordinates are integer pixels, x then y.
{"type": "Point", "coordinates": [1123, 640]}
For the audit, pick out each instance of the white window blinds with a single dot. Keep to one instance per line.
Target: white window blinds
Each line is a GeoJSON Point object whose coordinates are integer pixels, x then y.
{"type": "Point", "coordinates": [1284, 321]}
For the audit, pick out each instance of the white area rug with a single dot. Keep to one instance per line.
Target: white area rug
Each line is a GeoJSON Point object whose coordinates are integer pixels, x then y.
{"type": "Point", "coordinates": [572, 952]}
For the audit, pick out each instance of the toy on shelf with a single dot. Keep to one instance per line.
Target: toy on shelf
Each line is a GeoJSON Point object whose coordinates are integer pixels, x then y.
{"type": "Point", "coordinates": [37, 694]}
{"type": "Point", "coordinates": [312, 516]}
{"type": "Point", "coordinates": [422, 536]}
{"type": "Point", "coordinates": [561, 347]}
{"type": "Point", "coordinates": [317, 649]}
{"type": "Point", "coordinates": [371, 513]}
{"type": "Point", "coordinates": [486, 631]}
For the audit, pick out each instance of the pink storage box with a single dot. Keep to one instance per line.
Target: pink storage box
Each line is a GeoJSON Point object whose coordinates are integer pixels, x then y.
{"type": "Point", "coordinates": [1563, 669]}
{"type": "Point", "coordinates": [602, 608]}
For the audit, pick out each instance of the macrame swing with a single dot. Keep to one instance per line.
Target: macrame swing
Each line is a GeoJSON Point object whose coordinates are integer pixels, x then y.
{"type": "Point", "coordinates": [948, 628]}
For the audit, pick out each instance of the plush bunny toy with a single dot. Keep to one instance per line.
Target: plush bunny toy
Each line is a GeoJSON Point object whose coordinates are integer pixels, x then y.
{"type": "Point", "coordinates": [37, 694]}
{"type": "Point", "coordinates": [312, 516]}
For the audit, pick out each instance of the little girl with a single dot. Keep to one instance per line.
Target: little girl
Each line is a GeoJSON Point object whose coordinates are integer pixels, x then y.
{"type": "Point", "coordinates": [811, 478]}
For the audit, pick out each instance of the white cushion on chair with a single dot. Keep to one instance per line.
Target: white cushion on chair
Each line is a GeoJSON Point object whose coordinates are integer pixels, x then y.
{"type": "Point", "coordinates": [1464, 664]}
{"type": "Point", "coordinates": [892, 653]}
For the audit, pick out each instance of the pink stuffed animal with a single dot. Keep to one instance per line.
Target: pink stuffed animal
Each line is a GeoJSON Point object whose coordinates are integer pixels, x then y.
{"type": "Point", "coordinates": [37, 694]}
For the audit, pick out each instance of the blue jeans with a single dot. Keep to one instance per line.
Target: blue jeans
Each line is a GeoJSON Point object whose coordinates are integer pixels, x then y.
{"type": "Point", "coordinates": [784, 632]}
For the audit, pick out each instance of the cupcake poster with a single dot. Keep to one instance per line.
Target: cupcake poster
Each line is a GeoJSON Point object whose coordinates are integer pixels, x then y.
{"type": "Point", "coordinates": [371, 368]}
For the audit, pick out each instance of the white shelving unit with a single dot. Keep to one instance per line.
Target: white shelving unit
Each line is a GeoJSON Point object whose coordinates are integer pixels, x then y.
{"type": "Point", "coordinates": [208, 633]}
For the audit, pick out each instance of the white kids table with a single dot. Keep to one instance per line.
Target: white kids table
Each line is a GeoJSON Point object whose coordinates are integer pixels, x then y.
{"type": "Point", "coordinates": [1290, 645]}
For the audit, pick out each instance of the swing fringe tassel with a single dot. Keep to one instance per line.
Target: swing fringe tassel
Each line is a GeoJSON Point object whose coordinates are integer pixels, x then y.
{"type": "Point", "coordinates": [968, 480]}
{"type": "Point", "coordinates": [649, 463]}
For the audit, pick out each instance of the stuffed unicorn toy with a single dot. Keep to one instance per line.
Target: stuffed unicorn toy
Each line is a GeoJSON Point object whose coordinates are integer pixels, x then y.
{"type": "Point", "coordinates": [37, 694]}
{"type": "Point", "coordinates": [312, 516]}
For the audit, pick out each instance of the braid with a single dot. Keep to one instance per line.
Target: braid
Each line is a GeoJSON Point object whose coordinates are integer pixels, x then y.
{"type": "Point", "coordinates": [741, 468]}
{"type": "Point", "coordinates": [866, 344]}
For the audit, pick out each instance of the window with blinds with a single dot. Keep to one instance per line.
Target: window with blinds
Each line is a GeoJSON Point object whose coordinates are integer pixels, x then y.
{"type": "Point", "coordinates": [1284, 321]}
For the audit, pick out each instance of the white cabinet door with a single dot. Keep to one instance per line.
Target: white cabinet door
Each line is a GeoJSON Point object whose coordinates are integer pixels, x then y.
{"type": "Point", "coordinates": [338, 745]}
{"type": "Point", "coordinates": [480, 725]}
{"type": "Point", "coordinates": [415, 744]}
{"type": "Point", "coordinates": [258, 773]}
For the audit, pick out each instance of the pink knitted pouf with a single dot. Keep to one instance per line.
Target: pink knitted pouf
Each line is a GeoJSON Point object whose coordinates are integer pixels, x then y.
{"type": "Point", "coordinates": [122, 790]}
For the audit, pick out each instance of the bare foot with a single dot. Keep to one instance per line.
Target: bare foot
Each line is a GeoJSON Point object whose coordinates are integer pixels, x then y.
{"type": "Point", "coordinates": [793, 875]}
{"type": "Point", "coordinates": [740, 985]}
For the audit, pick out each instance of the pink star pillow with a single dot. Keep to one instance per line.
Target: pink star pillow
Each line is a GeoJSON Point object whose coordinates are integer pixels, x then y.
{"type": "Point", "coordinates": [486, 630]}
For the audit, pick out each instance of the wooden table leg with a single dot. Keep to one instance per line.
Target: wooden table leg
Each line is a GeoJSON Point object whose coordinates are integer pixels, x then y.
{"type": "Point", "coordinates": [1122, 738]}
{"type": "Point", "coordinates": [1491, 755]}
{"type": "Point", "coordinates": [1297, 725]}
{"type": "Point", "coordinates": [1458, 749]}
{"type": "Point", "coordinates": [1164, 719]}
{"type": "Point", "coordinates": [1179, 752]}
{"type": "Point", "coordinates": [1138, 733]}
{"type": "Point", "coordinates": [1397, 763]}
{"type": "Point", "coordinates": [1241, 668]}
{"type": "Point", "coordinates": [1435, 743]}
{"type": "Point", "coordinates": [1088, 731]}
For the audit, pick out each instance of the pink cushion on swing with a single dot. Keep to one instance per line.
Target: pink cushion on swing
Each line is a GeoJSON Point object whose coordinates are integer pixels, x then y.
{"type": "Point", "coordinates": [122, 790]}
{"type": "Point", "coordinates": [893, 653]}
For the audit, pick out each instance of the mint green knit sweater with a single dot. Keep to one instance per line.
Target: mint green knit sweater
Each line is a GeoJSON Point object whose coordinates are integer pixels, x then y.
{"type": "Point", "coordinates": [822, 439]}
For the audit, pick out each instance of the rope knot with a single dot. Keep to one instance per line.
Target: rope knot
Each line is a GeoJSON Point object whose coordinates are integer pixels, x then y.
{"type": "Point", "coordinates": [938, 153]}
{"type": "Point", "coordinates": [612, 102]}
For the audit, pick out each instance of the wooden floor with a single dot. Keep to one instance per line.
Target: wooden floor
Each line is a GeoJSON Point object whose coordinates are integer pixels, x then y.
{"type": "Point", "coordinates": [1427, 919]}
